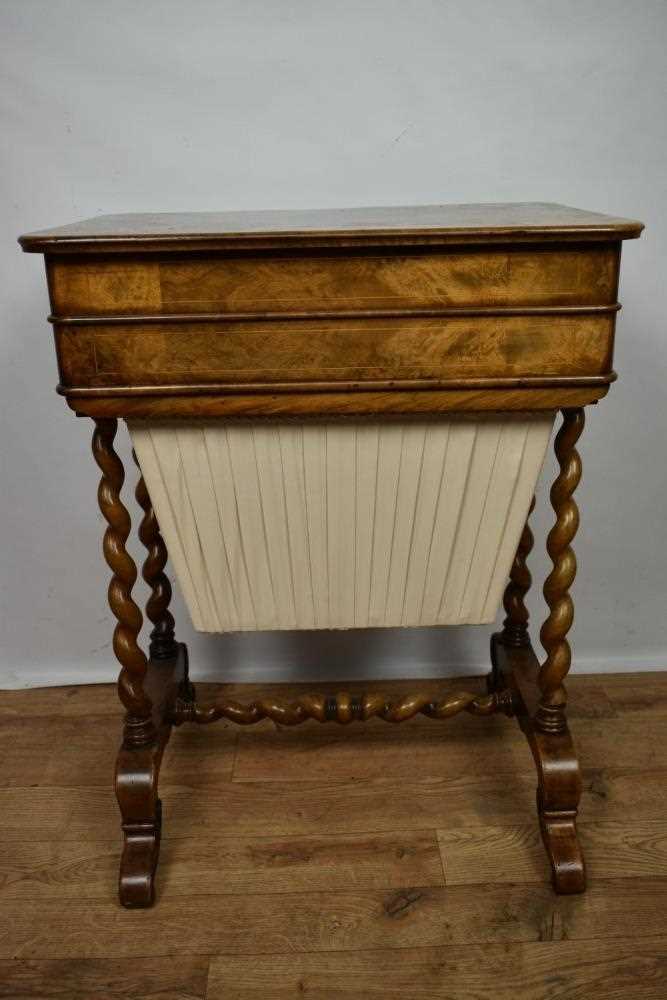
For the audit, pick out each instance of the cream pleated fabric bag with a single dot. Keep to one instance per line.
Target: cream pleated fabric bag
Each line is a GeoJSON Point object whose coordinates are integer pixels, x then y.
{"type": "Point", "coordinates": [342, 525]}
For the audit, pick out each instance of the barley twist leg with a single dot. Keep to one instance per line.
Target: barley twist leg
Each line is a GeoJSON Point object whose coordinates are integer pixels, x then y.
{"type": "Point", "coordinates": [515, 625]}
{"type": "Point", "coordinates": [550, 716]}
{"type": "Point", "coordinates": [138, 761]}
{"type": "Point", "coordinates": [162, 645]}
{"type": "Point", "coordinates": [139, 728]}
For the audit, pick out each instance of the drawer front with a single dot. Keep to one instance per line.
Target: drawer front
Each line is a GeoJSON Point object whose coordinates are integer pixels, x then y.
{"type": "Point", "coordinates": [340, 350]}
{"type": "Point", "coordinates": [520, 276]}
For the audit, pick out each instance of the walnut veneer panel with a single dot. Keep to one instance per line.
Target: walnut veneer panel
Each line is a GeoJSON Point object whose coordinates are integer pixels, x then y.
{"type": "Point", "coordinates": [314, 526]}
{"type": "Point", "coordinates": [334, 350]}
{"type": "Point", "coordinates": [211, 284]}
{"type": "Point", "coordinates": [422, 309]}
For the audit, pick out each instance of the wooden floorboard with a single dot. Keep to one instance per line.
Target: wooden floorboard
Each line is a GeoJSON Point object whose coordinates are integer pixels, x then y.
{"type": "Point", "coordinates": [437, 751]}
{"type": "Point", "coordinates": [231, 865]}
{"type": "Point", "coordinates": [633, 695]}
{"type": "Point", "coordinates": [182, 978]}
{"type": "Point", "coordinates": [72, 767]}
{"type": "Point", "coordinates": [568, 970]}
{"type": "Point", "coordinates": [510, 853]}
{"type": "Point", "coordinates": [334, 863]}
{"type": "Point", "coordinates": [248, 924]}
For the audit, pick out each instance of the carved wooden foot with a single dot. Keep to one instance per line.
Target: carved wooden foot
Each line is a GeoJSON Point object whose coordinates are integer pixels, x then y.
{"type": "Point", "coordinates": [147, 688]}
{"type": "Point", "coordinates": [558, 794]}
{"type": "Point", "coordinates": [558, 774]}
{"type": "Point", "coordinates": [137, 772]}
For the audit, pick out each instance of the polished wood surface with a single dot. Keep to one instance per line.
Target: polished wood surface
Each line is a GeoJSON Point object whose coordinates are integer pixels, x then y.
{"type": "Point", "coordinates": [337, 350]}
{"type": "Point", "coordinates": [162, 641]}
{"type": "Point", "coordinates": [398, 865]}
{"type": "Point", "coordinates": [405, 310]}
{"type": "Point", "coordinates": [487, 278]}
{"type": "Point", "coordinates": [515, 625]}
{"type": "Point", "coordinates": [424, 224]}
{"type": "Point", "coordinates": [139, 728]}
{"type": "Point", "coordinates": [342, 707]}
{"type": "Point", "coordinates": [559, 782]}
{"type": "Point", "coordinates": [349, 400]}
{"type": "Point", "coordinates": [550, 715]}
{"type": "Point", "coordinates": [537, 692]}
{"type": "Point", "coordinates": [384, 313]}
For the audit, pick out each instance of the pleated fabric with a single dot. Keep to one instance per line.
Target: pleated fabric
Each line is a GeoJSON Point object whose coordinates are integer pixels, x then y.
{"type": "Point", "coordinates": [342, 525]}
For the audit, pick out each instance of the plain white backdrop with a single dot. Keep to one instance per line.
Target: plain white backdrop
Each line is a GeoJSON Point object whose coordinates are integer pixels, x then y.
{"type": "Point", "coordinates": [233, 104]}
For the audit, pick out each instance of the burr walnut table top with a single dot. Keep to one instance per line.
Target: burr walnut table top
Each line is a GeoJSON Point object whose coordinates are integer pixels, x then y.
{"type": "Point", "coordinates": [421, 310]}
{"type": "Point", "coordinates": [429, 224]}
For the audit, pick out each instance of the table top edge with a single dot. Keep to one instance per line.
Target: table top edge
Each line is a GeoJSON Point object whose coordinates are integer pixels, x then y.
{"type": "Point", "coordinates": [430, 225]}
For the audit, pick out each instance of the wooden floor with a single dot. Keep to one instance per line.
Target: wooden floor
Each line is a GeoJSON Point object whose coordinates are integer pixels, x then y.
{"type": "Point", "coordinates": [321, 862]}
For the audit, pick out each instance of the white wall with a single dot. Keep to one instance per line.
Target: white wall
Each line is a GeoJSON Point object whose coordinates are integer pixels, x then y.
{"type": "Point", "coordinates": [124, 106]}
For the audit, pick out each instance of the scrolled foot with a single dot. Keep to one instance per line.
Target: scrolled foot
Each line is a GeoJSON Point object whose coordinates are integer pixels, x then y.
{"type": "Point", "coordinates": [137, 772]}
{"type": "Point", "coordinates": [559, 834]}
{"type": "Point", "coordinates": [557, 767]}
{"type": "Point", "coordinates": [141, 850]}
{"type": "Point", "coordinates": [558, 794]}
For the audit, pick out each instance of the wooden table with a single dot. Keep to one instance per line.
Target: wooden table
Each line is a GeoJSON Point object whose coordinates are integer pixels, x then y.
{"type": "Point", "coordinates": [308, 338]}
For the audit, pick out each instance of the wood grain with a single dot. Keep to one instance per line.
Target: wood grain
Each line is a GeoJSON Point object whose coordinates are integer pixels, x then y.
{"type": "Point", "coordinates": [550, 715]}
{"type": "Point", "coordinates": [101, 736]}
{"type": "Point", "coordinates": [26, 730]}
{"type": "Point", "coordinates": [637, 695]}
{"type": "Point", "coordinates": [576, 970]}
{"type": "Point", "coordinates": [72, 700]}
{"type": "Point", "coordinates": [438, 752]}
{"type": "Point", "coordinates": [324, 921]}
{"type": "Point", "coordinates": [331, 351]}
{"type": "Point", "coordinates": [516, 854]}
{"type": "Point", "coordinates": [268, 865]}
{"type": "Point", "coordinates": [139, 726]}
{"type": "Point", "coordinates": [334, 887]}
{"type": "Point", "coordinates": [182, 978]}
{"type": "Point", "coordinates": [229, 865]}
{"type": "Point", "coordinates": [413, 310]}
{"type": "Point", "coordinates": [496, 277]}
{"type": "Point", "coordinates": [423, 224]}
{"type": "Point", "coordinates": [595, 695]}
{"type": "Point", "coordinates": [301, 808]}
{"type": "Point", "coordinates": [196, 764]}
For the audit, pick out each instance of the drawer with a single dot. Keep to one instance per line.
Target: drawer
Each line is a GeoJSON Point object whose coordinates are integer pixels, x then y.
{"type": "Point", "coordinates": [511, 276]}
{"type": "Point", "coordinates": [142, 353]}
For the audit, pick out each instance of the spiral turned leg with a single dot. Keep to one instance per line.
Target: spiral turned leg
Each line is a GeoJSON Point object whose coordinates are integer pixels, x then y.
{"type": "Point", "coordinates": [559, 777]}
{"type": "Point", "coordinates": [538, 693]}
{"type": "Point", "coordinates": [163, 645]}
{"type": "Point", "coordinates": [139, 727]}
{"type": "Point", "coordinates": [515, 625]}
{"type": "Point", "coordinates": [138, 761]}
{"type": "Point", "coordinates": [550, 716]}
